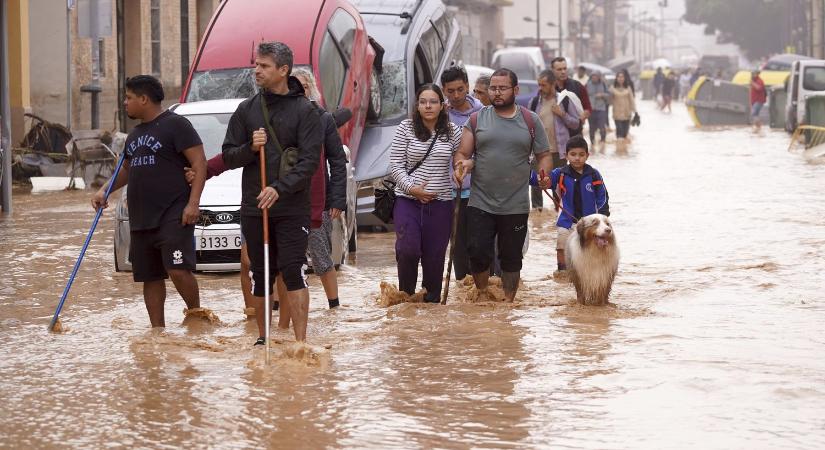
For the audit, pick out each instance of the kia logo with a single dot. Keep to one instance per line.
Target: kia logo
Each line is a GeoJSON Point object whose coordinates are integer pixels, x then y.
{"type": "Point", "coordinates": [224, 217]}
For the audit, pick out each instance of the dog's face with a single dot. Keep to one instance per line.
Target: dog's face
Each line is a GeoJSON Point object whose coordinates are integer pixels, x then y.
{"type": "Point", "coordinates": [595, 229]}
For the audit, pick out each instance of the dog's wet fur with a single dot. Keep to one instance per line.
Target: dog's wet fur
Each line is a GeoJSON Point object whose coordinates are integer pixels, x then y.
{"type": "Point", "coordinates": [592, 259]}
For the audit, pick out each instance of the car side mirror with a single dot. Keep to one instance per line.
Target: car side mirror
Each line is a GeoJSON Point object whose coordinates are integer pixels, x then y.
{"type": "Point", "coordinates": [342, 116]}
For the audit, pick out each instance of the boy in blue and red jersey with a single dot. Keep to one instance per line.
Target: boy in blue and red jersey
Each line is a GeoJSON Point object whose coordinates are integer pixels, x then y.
{"type": "Point", "coordinates": [581, 190]}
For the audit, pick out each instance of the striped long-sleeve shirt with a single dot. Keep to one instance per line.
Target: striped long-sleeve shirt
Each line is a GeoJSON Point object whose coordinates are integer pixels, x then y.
{"type": "Point", "coordinates": [407, 150]}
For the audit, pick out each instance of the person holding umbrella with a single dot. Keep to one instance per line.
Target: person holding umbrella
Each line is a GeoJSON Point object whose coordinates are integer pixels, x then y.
{"type": "Point", "coordinates": [282, 122]}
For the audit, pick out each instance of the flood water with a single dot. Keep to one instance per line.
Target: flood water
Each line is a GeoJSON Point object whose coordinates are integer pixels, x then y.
{"type": "Point", "coordinates": [716, 339]}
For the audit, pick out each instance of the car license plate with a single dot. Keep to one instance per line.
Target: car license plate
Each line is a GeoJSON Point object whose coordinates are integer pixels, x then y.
{"type": "Point", "coordinates": [217, 242]}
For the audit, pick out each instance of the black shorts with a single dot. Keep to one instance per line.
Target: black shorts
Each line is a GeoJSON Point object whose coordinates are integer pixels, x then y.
{"type": "Point", "coordinates": [288, 239]}
{"type": "Point", "coordinates": [482, 229]}
{"type": "Point", "coordinates": [168, 247]}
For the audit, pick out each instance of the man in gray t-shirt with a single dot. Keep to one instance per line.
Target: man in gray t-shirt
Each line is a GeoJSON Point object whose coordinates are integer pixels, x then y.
{"type": "Point", "coordinates": [499, 202]}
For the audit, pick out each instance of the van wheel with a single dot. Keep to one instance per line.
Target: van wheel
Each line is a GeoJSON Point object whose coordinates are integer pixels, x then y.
{"type": "Point", "coordinates": [374, 109]}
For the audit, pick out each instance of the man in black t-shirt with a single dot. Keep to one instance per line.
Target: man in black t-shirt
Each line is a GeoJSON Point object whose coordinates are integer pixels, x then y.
{"type": "Point", "coordinates": [163, 208]}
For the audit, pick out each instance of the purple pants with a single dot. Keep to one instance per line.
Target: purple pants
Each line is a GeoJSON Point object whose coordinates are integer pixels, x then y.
{"type": "Point", "coordinates": [422, 233]}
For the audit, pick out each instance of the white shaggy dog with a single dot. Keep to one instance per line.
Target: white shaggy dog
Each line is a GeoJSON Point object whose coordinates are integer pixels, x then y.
{"type": "Point", "coordinates": [592, 259]}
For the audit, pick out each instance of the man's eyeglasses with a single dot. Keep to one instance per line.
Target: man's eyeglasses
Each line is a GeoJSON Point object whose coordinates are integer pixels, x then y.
{"type": "Point", "coordinates": [499, 88]}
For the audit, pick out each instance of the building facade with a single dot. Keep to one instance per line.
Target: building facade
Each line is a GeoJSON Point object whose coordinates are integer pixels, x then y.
{"type": "Point", "coordinates": [481, 23]}
{"type": "Point", "coordinates": [157, 37]}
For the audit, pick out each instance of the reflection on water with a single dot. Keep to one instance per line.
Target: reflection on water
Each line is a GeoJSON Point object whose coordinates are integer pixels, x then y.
{"type": "Point", "coordinates": [715, 340]}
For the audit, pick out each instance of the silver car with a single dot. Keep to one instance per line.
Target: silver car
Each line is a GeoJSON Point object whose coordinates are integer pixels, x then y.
{"type": "Point", "coordinates": [218, 232]}
{"type": "Point", "coordinates": [420, 39]}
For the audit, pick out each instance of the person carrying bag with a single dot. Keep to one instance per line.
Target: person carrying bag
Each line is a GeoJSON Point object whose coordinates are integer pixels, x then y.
{"type": "Point", "coordinates": [423, 209]}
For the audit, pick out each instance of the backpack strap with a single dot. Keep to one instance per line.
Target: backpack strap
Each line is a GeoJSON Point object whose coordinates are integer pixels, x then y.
{"type": "Point", "coordinates": [531, 125]}
{"type": "Point", "coordinates": [473, 126]}
{"type": "Point", "coordinates": [534, 103]}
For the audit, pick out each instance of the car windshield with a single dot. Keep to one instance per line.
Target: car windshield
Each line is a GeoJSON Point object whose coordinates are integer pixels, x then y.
{"type": "Point", "coordinates": [777, 65]}
{"type": "Point", "coordinates": [519, 63]}
{"type": "Point", "coordinates": [814, 79]}
{"type": "Point", "coordinates": [393, 90]}
{"type": "Point", "coordinates": [221, 84]}
{"type": "Point", "coordinates": [212, 130]}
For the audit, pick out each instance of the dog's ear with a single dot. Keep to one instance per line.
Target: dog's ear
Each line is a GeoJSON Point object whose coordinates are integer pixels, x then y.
{"type": "Point", "coordinates": [580, 228]}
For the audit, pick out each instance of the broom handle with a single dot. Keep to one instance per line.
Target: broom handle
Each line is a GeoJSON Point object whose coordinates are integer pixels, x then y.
{"type": "Point", "coordinates": [86, 244]}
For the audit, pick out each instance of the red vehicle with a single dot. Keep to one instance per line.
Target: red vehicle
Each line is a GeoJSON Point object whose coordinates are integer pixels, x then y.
{"type": "Point", "coordinates": [327, 35]}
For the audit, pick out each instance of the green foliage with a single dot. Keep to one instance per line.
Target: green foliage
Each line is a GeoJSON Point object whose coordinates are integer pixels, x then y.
{"type": "Point", "coordinates": [754, 25]}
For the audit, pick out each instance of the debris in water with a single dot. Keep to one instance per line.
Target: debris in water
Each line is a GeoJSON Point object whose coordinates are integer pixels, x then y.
{"type": "Point", "coordinates": [390, 296]}
{"type": "Point", "coordinates": [310, 355]}
{"type": "Point", "coordinates": [574, 309]}
{"type": "Point", "coordinates": [467, 292]}
{"type": "Point", "coordinates": [58, 327]}
{"type": "Point", "coordinates": [201, 313]}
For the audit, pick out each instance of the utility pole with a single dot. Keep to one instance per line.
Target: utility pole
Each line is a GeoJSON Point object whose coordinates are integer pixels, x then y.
{"type": "Point", "coordinates": [561, 36]}
{"type": "Point", "coordinates": [5, 116]}
{"type": "Point", "coordinates": [95, 21]}
{"type": "Point", "coordinates": [610, 30]}
{"type": "Point", "coordinates": [538, 27]}
{"type": "Point", "coordinates": [69, 7]}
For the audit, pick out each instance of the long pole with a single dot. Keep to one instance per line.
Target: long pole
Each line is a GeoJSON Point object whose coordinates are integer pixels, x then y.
{"type": "Point", "coordinates": [86, 244]}
{"type": "Point", "coordinates": [267, 309]}
{"type": "Point", "coordinates": [561, 42]}
{"type": "Point", "coordinates": [5, 115]}
{"type": "Point", "coordinates": [456, 208]}
{"type": "Point", "coordinates": [538, 26]}
{"type": "Point", "coordinates": [68, 66]}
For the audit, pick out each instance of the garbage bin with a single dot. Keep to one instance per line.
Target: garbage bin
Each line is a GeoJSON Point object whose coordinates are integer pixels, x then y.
{"type": "Point", "coordinates": [776, 106]}
{"type": "Point", "coordinates": [646, 85]}
{"type": "Point", "coordinates": [713, 102]}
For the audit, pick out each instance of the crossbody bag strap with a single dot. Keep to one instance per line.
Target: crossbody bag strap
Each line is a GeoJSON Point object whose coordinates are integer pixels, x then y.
{"type": "Point", "coordinates": [418, 164]}
{"type": "Point", "coordinates": [268, 121]}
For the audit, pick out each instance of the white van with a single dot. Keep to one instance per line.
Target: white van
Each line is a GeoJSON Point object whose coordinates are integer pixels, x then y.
{"type": "Point", "coordinates": [526, 62]}
{"type": "Point", "coordinates": [807, 79]}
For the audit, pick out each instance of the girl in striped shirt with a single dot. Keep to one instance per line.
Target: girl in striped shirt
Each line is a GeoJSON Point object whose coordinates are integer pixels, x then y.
{"type": "Point", "coordinates": [420, 157]}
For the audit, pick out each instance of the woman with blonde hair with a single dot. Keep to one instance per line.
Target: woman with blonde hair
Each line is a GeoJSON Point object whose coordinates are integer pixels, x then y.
{"type": "Point", "coordinates": [328, 198]}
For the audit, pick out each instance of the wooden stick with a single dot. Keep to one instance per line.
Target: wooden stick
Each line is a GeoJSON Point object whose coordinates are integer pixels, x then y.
{"type": "Point", "coordinates": [457, 200]}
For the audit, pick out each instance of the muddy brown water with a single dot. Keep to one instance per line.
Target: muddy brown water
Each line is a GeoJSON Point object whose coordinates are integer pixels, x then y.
{"type": "Point", "coordinates": [716, 340]}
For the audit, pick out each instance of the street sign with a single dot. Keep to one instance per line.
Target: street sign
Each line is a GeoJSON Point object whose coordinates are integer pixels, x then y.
{"type": "Point", "coordinates": [94, 18]}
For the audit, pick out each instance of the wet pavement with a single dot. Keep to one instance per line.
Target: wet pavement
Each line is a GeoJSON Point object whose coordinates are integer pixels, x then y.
{"type": "Point", "coordinates": [716, 339]}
